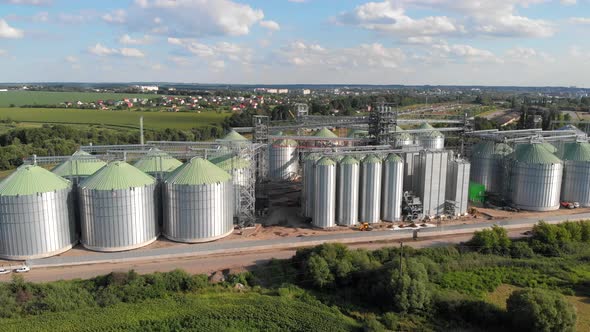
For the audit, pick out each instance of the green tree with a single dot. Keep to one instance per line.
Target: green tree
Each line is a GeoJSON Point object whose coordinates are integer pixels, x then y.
{"type": "Point", "coordinates": [409, 288]}
{"type": "Point", "coordinates": [491, 241]}
{"type": "Point", "coordinates": [319, 271]}
{"type": "Point", "coordinates": [540, 311]}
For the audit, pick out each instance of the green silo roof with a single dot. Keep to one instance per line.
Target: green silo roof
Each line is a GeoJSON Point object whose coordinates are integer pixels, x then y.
{"type": "Point", "coordinates": [157, 161]}
{"type": "Point", "coordinates": [80, 164]}
{"type": "Point", "coordinates": [503, 149]}
{"type": "Point", "coordinates": [117, 175]}
{"type": "Point", "coordinates": [534, 154]}
{"type": "Point", "coordinates": [325, 161]}
{"type": "Point", "coordinates": [579, 151]}
{"type": "Point", "coordinates": [393, 157]}
{"type": "Point", "coordinates": [30, 180]}
{"type": "Point", "coordinates": [434, 133]}
{"type": "Point", "coordinates": [285, 142]}
{"type": "Point", "coordinates": [550, 147]}
{"type": "Point", "coordinates": [485, 148]}
{"type": "Point", "coordinates": [349, 160]}
{"type": "Point", "coordinates": [358, 133]}
{"type": "Point", "coordinates": [312, 156]}
{"type": "Point", "coordinates": [229, 162]}
{"type": "Point", "coordinates": [234, 136]}
{"type": "Point", "coordinates": [198, 171]}
{"type": "Point", "coordinates": [325, 132]}
{"type": "Point", "coordinates": [371, 159]}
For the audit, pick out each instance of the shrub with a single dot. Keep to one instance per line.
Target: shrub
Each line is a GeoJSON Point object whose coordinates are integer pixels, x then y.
{"type": "Point", "coordinates": [521, 249]}
{"type": "Point", "coordinates": [491, 241]}
{"type": "Point", "coordinates": [540, 310]}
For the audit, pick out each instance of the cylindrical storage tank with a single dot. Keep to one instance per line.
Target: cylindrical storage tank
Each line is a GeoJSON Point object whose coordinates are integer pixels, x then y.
{"type": "Point", "coordinates": [576, 173]}
{"type": "Point", "coordinates": [157, 164]}
{"type": "Point", "coordinates": [240, 171]}
{"type": "Point", "coordinates": [402, 138]}
{"type": "Point", "coordinates": [307, 198]}
{"type": "Point", "coordinates": [283, 160]}
{"type": "Point", "coordinates": [198, 203]}
{"type": "Point", "coordinates": [370, 199]}
{"type": "Point", "coordinates": [79, 167]}
{"type": "Point", "coordinates": [325, 133]}
{"type": "Point", "coordinates": [483, 164]}
{"type": "Point", "coordinates": [324, 211]}
{"type": "Point", "coordinates": [536, 178]}
{"type": "Point", "coordinates": [431, 140]}
{"type": "Point", "coordinates": [501, 179]}
{"type": "Point", "coordinates": [36, 214]}
{"type": "Point", "coordinates": [392, 189]}
{"type": "Point", "coordinates": [347, 186]}
{"type": "Point", "coordinates": [234, 136]}
{"type": "Point", "coordinates": [119, 210]}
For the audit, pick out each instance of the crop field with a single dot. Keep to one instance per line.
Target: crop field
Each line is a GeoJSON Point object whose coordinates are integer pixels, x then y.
{"type": "Point", "coordinates": [152, 120]}
{"type": "Point", "coordinates": [19, 98]}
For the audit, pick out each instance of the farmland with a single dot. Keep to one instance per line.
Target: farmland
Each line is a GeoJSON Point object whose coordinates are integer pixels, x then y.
{"type": "Point", "coordinates": [19, 98]}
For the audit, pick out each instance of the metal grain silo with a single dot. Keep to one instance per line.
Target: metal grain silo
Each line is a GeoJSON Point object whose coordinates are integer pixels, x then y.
{"type": "Point", "coordinates": [411, 170]}
{"type": "Point", "coordinates": [347, 186]}
{"type": "Point", "coordinates": [483, 164]}
{"type": "Point", "coordinates": [307, 197]}
{"type": "Point", "coordinates": [324, 211]}
{"type": "Point", "coordinates": [370, 199]}
{"type": "Point", "coordinates": [235, 137]}
{"type": "Point", "coordinates": [430, 140]}
{"type": "Point", "coordinates": [457, 186]}
{"type": "Point", "coordinates": [283, 160]}
{"type": "Point", "coordinates": [80, 166]}
{"type": "Point", "coordinates": [198, 203]}
{"type": "Point", "coordinates": [432, 179]}
{"type": "Point", "coordinates": [157, 164]}
{"type": "Point", "coordinates": [36, 214]}
{"type": "Point", "coordinates": [241, 173]}
{"type": "Point", "coordinates": [576, 173]}
{"type": "Point", "coordinates": [536, 178]}
{"type": "Point", "coordinates": [118, 207]}
{"type": "Point", "coordinates": [325, 133]}
{"type": "Point", "coordinates": [392, 189]}
{"type": "Point", "coordinates": [402, 138]}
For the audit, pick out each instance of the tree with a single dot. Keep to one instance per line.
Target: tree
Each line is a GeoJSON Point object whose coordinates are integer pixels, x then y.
{"type": "Point", "coordinates": [409, 288]}
{"type": "Point", "coordinates": [491, 241]}
{"type": "Point", "coordinates": [540, 310]}
{"type": "Point", "coordinates": [319, 271]}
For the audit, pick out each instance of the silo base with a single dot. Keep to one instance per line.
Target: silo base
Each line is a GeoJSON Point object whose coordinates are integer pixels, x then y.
{"type": "Point", "coordinates": [53, 253]}
{"type": "Point", "coordinates": [135, 246]}
{"type": "Point", "coordinates": [209, 239]}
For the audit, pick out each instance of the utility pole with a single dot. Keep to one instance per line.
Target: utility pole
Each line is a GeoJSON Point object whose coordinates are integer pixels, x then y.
{"type": "Point", "coordinates": [141, 130]}
{"type": "Point", "coordinates": [401, 257]}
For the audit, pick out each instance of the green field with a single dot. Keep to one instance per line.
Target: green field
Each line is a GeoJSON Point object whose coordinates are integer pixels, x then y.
{"type": "Point", "coordinates": [19, 98]}
{"type": "Point", "coordinates": [152, 120]}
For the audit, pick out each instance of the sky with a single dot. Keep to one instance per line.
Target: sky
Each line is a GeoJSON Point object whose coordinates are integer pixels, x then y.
{"type": "Point", "coordinates": [411, 42]}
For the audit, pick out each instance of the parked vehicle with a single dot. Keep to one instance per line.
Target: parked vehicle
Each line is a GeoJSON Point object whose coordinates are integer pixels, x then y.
{"type": "Point", "coordinates": [4, 271]}
{"type": "Point", "coordinates": [23, 269]}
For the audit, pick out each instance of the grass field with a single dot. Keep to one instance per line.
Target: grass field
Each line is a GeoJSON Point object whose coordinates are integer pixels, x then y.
{"type": "Point", "coordinates": [152, 120]}
{"type": "Point", "coordinates": [19, 98]}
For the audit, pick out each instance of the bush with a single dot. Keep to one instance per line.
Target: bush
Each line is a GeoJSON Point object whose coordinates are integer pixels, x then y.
{"type": "Point", "coordinates": [540, 310]}
{"type": "Point", "coordinates": [521, 249]}
{"type": "Point", "coordinates": [491, 241]}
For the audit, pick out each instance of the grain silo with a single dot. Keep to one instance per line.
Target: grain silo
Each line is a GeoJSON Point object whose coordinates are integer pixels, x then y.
{"type": "Point", "coordinates": [157, 163]}
{"type": "Point", "coordinates": [483, 164]}
{"type": "Point", "coordinates": [402, 138]}
{"type": "Point", "coordinates": [392, 189]}
{"type": "Point", "coordinates": [324, 211]}
{"type": "Point", "coordinates": [411, 170]}
{"type": "Point", "coordinates": [370, 195]}
{"type": "Point", "coordinates": [432, 178]}
{"type": "Point", "coordinates": [536, 178]}
{"type": "Point", "coordinates": [430, 140]}
{"type": "Point", "coordinates": [36, 214]}
{"type": "Point", "coordinates": [234, 136]}
{"type": "Point", "coordinates": [198, 203]}
{"type": "Point", "coordinates": [283, 160]}
{"type": "Point", "coordinates": [307, 198]}
{"type": "Point", "coordinates": [576, 173]}
{"type": "Point", "coordinates": [347, 186]}
{"type": "Point", "coordinates": [457, 186]}
{"type": "Point", "coordinates": [241, 173]}
{"type": "Point", "coordinates": [118, 208]}
{"type": "Point", "coordinates": [80, 166]}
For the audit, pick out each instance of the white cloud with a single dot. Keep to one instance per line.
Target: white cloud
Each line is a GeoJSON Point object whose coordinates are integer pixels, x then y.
{"type": "Point", "coordinates": [71, 59]}
{"type": "Point", "coordinates": [270, 25]}
{"type": "Point", "coordinates": [444, 53]}
{"type": "Point", "coordinates": [580, 20]}
{"type": "Point", "coordinates": [128, 40]}
{"type": "Point", "coordinates": [217, 64]}
{"type": "Point", "coordinates": [298, 1]}
{"type": "Point", "coordinates": [116, 16]}
{"type": "Point", "coordinates": [6, 31]}
{"type": "Point", "coordinates": [131, 52]}
{"type": "Point", "coordinates": [218, 51]}
{"type": "Point", "coordinates": [527, 56]}
{"type": "Point", "coordinates": [28, 2]}
{"type": "Point", "coordinates": [568, 2]}
{"type": "Point", "coordinates": [100, 50]}
{"type": "Point", "coordinates": [3, 52]}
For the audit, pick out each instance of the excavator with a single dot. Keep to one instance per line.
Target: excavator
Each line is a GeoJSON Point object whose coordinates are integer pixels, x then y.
{"type": "Point", "coordinates": [364, 226]}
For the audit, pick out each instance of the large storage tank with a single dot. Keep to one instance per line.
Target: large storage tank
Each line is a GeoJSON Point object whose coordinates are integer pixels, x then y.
{"type": "Point", "coordinates": [234, 136]}
{"type": "Point", "coordinates": [431, 140]}
{"type": "Point", "coordinates": [118, 208]}
{"type": "Point", "coordinates": [157, 164]}
{"type": "Point", "coordinates": [391, 196]}
{"type": "Point", "coordinates": [198, 203]}
{"type": "Point", "coordinates": [536, 178]}
{"type": "Point", "coordinates": [80, 166]}
{"type": "Point", "coordinates": [308, 185]}
{"type": "Point", "coordinates": [283, 160]}
{"type": "Point", "coordinates": [347, 205]}
{"type": "Point", "coordinates": [576, 173]}
{"type": "Point", "coordinates": [325, 133]}
{"type": "Point", "coordinates": [432, 181]}
{"type": "Point", "coordinates": [402, 138]}
{"type": "Point", "coordinates": [487, 165]}
{"type": "Point", "coordinates": [324, 211]}
{"type": "Point", "coordinates": [411, 170]}
{"type": "Point", "coordinates": [458, 184]}
{"type": "Point", "coordinates": [36, 214]}
{"type": "Point", "coordinates": [370, 200]}
{"type": "Point", "coordinates": [241, 173]}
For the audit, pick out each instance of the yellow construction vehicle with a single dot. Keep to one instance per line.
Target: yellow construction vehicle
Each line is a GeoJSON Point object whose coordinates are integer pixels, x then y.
{"type": "Point", "coordinates": [364, 226]}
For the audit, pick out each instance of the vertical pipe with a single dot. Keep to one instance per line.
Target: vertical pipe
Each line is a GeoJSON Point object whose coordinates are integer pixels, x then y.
{"type": "Point", "coordinates": [141, 130]}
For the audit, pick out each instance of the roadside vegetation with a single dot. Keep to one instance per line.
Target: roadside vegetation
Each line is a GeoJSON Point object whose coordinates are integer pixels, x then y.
{"type": "Point", "coordinates": [491, 283]}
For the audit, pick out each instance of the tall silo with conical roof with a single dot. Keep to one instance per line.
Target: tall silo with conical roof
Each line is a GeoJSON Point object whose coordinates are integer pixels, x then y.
{"type": "Point", "coordinates": [235, 137]}
{"type": "Point", "coordinates": [402, 138]}
{"type": "Point", "coordinates": [36, 214]}
{"type": "Point", "coordinates": [198, 203]}
{"type": "Point", "coordinates": [536, 178]}
{"type": "Point", "coordinates": [430, 140]}
{"type": "Point", "coordinates": [370, 196]}
{"type": "Point", "coordinates": [348, 188]}
{"type": "Point", "coordinates": [240, 171]}
{"type": "Point", "coordinates": [307, 199]}
{"type": "Point", "coordinates": [157, 163]}
{"type": "Point", "coordinates": [324, 211]}
{"type": "Point", "coordinates": [80, 166]}
{"type": "Point", "coordinates": [283, 160]}
{"type": "Point", "coordinates": [392, 189]}
{"type": "Point", "coordinates": [119, 209]}
{"type": "Point", "coordinates": [576, 173]}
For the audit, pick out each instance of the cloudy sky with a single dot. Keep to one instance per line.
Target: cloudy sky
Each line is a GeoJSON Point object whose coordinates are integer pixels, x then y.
{"type": "Point", "coordinates": [488, 42]}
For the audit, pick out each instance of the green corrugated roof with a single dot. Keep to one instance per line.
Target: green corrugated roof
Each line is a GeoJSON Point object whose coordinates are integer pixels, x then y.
{"type": "Point", "coordinates": [79, 165]}
{"type": "Point", "coordinates": [485, 148]}
{"type": "Point", "coordinates": [534, 154]}
{"type": "Point", "coordinates": [30, 180]}
{"type": "Point", "coordinates": [349, 160]}
{"type": "Point", "coordinates": [371, 159]}
{"type": "Point", "coordinates": [234, 136]}
{"type": "Point", "coordinates": [392, 157]}
{"type": "Point", "coordinates": [579, 151]}
{"type": "Point", "coordinates": [229, 162]}
{"type": "Point", "coordinates": [550, 147]}
{"type": "Point", "coordinates": [503, 149]}
{"type": "Point", "coordinates": [358, 133]}
{"type": "Point", "coordinates": [312, 156]}
{"type": "Point", "coordinates": [285, 142]}
{"type": "Point", "coordinates": [325, 161]}
{"type": "Point", "coordinates": [434, 133]}
{"type": "Point", "coordinates": [198, 171]}
{"type": "Point", "coordinates": [117, 175]}
{"type": "Point", "coordinates": [325, 132]}
{"type": "Point", "coordinates": [157, 161]}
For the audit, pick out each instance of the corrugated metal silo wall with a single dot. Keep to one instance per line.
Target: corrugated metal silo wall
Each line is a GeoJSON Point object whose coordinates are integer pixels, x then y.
{"type": "Point", "coordinates": [240, 178]}
{"type": "Point", "coordinates": [36, 226]}
{"type": "Point", "coordinates": [433, 178]}
{"type": "Point", "coordinates": [324, 213]}
{"type": "Point", "coordinates": [370, 199]}
{"type": "Point", "coordinates": [116, 220]}
{"type": "Point", "coordinates": [403, 142]}
{"type": "Point", "coordinates": [283, 162]}
{"type": "Point", "coordinates": [348, 194]}
{"type": "Point", "coordinates": [410, 170]}
{"type": "Point", "coordinates": [198, 213]}
{"type": "Point", "coordinates": [458, 184]}
{"type": "Point", "coordinates": [484, 170]}
{"type": "Point", "coordinates": [576, 182]}
{"type": "Point", "coordinates": [431, 143]}
{"type": "Point", "coordinates": [536, 187]}
{"type": "Point", "coordinates": [308, 190]}
{"type": "Point", "coordinates": [391, 197]}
